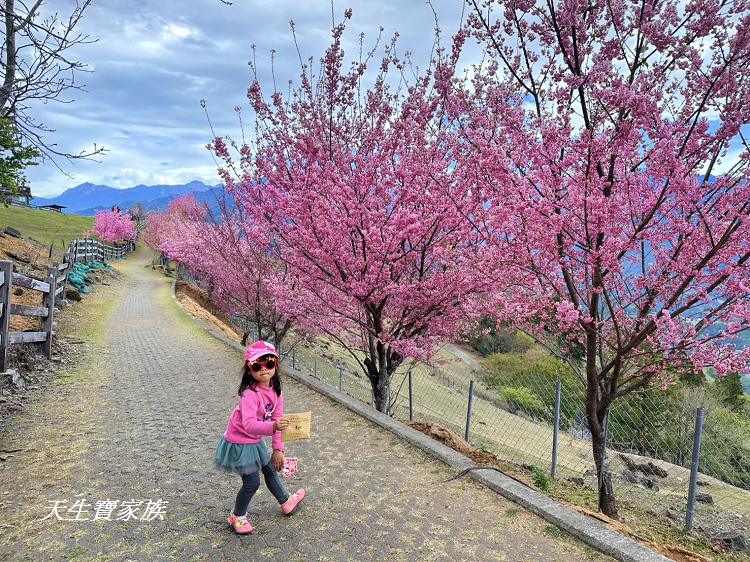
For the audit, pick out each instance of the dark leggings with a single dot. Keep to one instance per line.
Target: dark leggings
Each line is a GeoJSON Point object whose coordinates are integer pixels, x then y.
{"type": "Point", "coordinates": [251, 483]}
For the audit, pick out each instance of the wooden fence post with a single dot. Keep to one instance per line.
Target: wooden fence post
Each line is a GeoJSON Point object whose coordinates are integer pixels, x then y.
{"type": "Point", "coordinates": [6, 272]}
{"type": "Point", "coordinates": [65, 273]}
{"type": "Point", "coordinates": [49, 302]}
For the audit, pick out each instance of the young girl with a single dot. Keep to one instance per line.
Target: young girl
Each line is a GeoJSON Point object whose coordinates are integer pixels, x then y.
{"type": "Point", "coordinates": [241, 450]}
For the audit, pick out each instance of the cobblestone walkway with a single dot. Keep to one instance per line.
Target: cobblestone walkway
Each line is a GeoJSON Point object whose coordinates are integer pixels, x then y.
{"type": "Point", "coordinates": [142, 421]}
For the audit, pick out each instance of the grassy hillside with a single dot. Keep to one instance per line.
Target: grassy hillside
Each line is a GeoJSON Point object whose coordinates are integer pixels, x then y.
{"type": "Point", "coordinates": [46, 227]}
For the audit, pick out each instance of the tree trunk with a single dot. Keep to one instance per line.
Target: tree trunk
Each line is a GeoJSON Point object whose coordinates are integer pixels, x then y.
{"type": "Point", "coordinates": [380, 378]}
{"type": "Point", "coordinates": [607, 503]}
{"type": "Point", "coordinates": [380, 360]}
{"type": "Point", "coordinates": [9, 64]}
{"type": "Point", "coordinates": [379, 383]}
{"type": "Point", "coordinates": [597, 407]}
{"type": "Point", "coordinates": [380, 394]}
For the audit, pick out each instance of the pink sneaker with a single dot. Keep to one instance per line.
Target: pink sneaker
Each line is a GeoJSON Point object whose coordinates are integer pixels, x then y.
{"type": "Point", "coordinates": [240, 524]}
{"type": "Point", "coordinates": [291, 505]}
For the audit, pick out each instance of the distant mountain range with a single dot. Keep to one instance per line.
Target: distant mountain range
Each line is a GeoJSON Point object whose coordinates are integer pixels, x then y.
{"type": "Point", "coordinates": [87, 198]}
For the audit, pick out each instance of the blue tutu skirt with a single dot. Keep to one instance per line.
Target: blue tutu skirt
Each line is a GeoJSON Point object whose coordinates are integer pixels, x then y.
{"type": "Point", "coordinates": [240, 458]}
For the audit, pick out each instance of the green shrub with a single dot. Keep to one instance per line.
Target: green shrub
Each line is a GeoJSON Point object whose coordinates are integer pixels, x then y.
{"type": "Point", "coordinates": [725, 449]}
{"type": "Point", "coordinates": [523, 342]}
{"type": "Point", "coordinates": [538, 370]}
{"type": "Point", "coordinates": [540, 479]}
{"type": "Point", "coordinates": [522, 398]}
{"type": "Point", "coordinates": [488, 338]}
{"type": "Point", "coordinates": [730, 392]}
{"type": "Point", "coordinates": [654, 423]}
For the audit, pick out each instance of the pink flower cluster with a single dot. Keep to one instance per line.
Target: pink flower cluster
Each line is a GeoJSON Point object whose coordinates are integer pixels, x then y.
{"type": "Point", "coordinates": [113, 226]}
{"type": "Point", "coordinates": [580, 185]}
{"type": "Point", "coordinates": [603, 218]}
{"type": "Point", "coordinates": [358, 193]}
{"type": "Point", "coordinates": [226, 252]}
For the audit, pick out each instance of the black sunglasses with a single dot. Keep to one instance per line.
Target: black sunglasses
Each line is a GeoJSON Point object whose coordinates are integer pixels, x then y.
{"type": "Point", "coordinates": [258, 364]}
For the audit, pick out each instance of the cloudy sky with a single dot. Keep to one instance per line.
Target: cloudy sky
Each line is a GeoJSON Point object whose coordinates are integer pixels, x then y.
{"type": "Point", "coordinates": [156, 59]}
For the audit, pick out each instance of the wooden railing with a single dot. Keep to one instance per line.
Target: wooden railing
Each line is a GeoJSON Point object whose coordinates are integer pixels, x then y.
{"type": "Point", "coordinates": [80, 250]}
{"type": "Point", "coordinates": [88, 249]}
{"type": "Point", "coordinates": [50, 288]}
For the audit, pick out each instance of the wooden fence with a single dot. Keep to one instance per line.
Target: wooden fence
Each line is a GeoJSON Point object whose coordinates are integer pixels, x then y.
{"type": "Point", "coordinates": [50, 289]}
{"type": "Point", "coordinates": [80, 250]}
{"type": "Point", "coordinates": [88, 249]}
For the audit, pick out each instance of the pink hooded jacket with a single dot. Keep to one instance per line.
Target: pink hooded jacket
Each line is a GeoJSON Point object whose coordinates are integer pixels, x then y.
{"type": "Point", "coordinates": [247, 425]}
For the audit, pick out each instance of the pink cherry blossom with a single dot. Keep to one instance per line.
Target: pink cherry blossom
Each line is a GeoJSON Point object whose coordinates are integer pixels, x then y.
{"type": "Point", "coordinates": [356, 189]}
{"type": "Point", "coordinates": [605, 142]}
{"type": "Point", "coordinates": [113, 226]}
{"type": "Point", "coordinates": [229, 256]}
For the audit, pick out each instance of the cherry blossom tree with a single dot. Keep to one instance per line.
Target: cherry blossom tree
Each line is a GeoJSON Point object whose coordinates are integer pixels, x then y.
{"type": "Point", "coordinates": [356, 189]}
{"type": "Point", "coordinates": [609, 147]}
{"type": "Point", "coordinates": [230, 255]}
{"type": "Point", "coordinates": [113, 226]}
{"type": "Point", "coordinates": [136, 212]}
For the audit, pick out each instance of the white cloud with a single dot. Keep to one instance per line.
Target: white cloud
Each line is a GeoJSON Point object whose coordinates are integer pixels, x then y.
{"type": "Point", "coordinates": [156, 59]}
{"type": "Point", "coordinates": [176, 32]}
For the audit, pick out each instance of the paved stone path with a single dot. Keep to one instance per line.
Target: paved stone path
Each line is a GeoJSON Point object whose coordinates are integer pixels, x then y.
{"type": "Point", "coordinates": [141, 419]}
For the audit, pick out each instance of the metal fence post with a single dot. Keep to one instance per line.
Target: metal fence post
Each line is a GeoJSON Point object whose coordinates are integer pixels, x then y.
{"type": "Point", "coordinates": [556, 431]}
{"type": "Point", "coordinates": [699, 414]}
{"type": "Point", "coordinates": [411, 398]}
{"type": "Point", "coordinates": [341, 379]}
{"type": "Point", "coordinates": [468, 411]}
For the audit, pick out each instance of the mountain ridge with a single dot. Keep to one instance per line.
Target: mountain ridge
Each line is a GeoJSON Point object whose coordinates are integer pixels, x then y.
{"type": "Point", "coordinates": [86, 198]}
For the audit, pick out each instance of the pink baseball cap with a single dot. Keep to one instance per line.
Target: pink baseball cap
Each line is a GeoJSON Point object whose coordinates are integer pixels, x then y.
{"type": "Point", "coordinates": [259, 349]}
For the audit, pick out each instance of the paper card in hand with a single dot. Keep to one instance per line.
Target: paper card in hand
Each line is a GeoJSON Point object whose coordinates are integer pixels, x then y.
{"type": "Point", "coordinates": [299, 427]}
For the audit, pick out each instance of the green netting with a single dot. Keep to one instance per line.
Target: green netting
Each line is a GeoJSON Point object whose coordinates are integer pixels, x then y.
{"type": "Point", "coordinates": [79, 278]}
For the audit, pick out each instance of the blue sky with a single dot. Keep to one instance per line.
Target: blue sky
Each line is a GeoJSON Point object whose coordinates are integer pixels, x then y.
{"type": "Point", "coordinates": [156, 59]}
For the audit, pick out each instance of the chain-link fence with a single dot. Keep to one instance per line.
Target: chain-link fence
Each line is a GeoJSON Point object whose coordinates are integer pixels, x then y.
{"type": "Point", "coordinates": [650, 437]}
